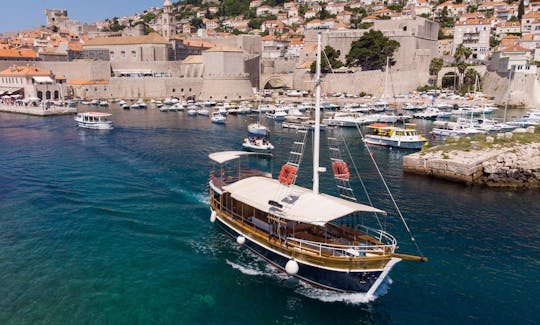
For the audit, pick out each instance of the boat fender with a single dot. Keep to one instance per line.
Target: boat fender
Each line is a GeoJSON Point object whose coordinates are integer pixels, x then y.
{"type": "Point", "coordinates": [292, 267]}
{"type": "Point", "coordinates": [240, 240]}
{"type": "Point", "coordinates": [213, 216]}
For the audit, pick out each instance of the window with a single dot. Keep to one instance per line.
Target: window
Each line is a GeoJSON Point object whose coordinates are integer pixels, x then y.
{"type": "Point", "coordinates": [111, 54]}
{"type": "Point", "coordinates": [134, 54]}
{"type": "Point", "coordinates": [123, 54]}
{"type": "Point", "coordinates": [173, 90]}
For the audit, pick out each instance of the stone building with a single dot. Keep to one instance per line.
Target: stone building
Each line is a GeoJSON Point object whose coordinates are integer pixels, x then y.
{"type": "Point", "coordinates": [31, 82]}
{"type": "Point", "coordinates": [224, 75]}
{"type": "Point", "coordinates": [474, 34]}
{"type": "Point", "coordinates": [148, 48]}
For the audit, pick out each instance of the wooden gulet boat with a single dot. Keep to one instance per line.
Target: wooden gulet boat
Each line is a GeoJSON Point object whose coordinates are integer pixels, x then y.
{"type": "Point", "coordinates": [307, 234]}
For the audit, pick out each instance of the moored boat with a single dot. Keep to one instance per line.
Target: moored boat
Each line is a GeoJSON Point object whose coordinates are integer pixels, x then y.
{"type": "Point", "coordinates": [397, 137]}
{"type": "Point", "coordinates": [217, 118]}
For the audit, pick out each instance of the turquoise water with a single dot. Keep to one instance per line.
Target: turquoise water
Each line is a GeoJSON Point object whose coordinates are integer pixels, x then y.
{"type": "Point", "coordinates": [113, 227]}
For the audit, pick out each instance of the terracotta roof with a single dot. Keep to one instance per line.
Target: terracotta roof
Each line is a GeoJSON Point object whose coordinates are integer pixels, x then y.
{"type": "Point", "coordinates": [18, 53]}
{"type": "Point", "coordinates": [195, 43]}
{"type": "Point", "coordinates": [75, 46]}
{"type": "Point", "coordinates": [224, 48]}
{"type": "Point", "coordinates": [535, 14]}
{"type": "Point", "coordinates": [127, 40]}
{"type": "Point", "coordinates": [305, 65]}
{"type": "Point", "coordinates": [88, 82]}
{"type": "Point", "coordinates": [514, 48]}
{"type": "Point", "coordinates": [20, 70]}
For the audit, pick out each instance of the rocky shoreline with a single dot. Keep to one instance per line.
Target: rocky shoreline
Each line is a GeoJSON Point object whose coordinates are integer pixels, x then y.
{"type": "Point", "coordinates": [509, 160]}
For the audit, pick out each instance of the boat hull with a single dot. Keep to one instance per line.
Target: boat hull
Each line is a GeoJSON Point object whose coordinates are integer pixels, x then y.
{"type": "Point", "coordinates": [365, 281]}
{"type": "Point", "coordinates": [403, 144]}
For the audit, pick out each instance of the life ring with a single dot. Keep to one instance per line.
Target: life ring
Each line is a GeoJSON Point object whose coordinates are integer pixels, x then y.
{"type": "Point", "coordinates": [341, 170]}
{"type": "Point", "coordinates": [287, 174]}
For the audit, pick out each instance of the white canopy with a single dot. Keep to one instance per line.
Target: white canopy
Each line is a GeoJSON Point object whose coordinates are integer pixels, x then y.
{"type": "Point", "coordinates": [224, 156]}
{"type": "Point", "coordinates": [43, 79]}
{"type": "Point", "coordinates": [299, 204]}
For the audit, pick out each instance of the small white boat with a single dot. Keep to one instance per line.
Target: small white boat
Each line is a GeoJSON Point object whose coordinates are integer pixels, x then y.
{"type": "Point", "coordinates": [164, 109]}
{"type": "Point", "coordinates": [192, 112]}
{"type": "Point", "coordinates": [218, 118]}
{"type": "Point", "coordinates": [121, 102]}
{"type": "Point", "coordinates": [203, 111]}
{"type": "Point", "coordinates": [277, 115]}
{"type": "Point", "coordinates": [94, 120]}
{"type": "Point", "coordinates": [257, 145]}
{"type": "Point", "coordinates": [141, 104]}
{"type": "Point", "coordinates": [103, 103]}
{"type": "Point", "coordinates": [177, 107]}
{"type": "Point", "coordinates": [258, 129]}
{"type": "Point", "coordinates": [95, 102]}
{"type": "Point", "coordinates": [125, 106]}
{"type": "Point", "coordinates": [303, 125]}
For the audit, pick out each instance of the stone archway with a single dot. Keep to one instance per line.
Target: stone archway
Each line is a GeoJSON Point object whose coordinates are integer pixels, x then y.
{"type": "Point", "coordinates": [275, 83]}
{"type": "Point", "coordinates": [449, 80]}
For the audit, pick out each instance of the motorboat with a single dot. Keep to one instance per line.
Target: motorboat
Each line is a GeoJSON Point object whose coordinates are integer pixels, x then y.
{"type": "Point", "coordinates": [392, 136]}
{"type": "Point", "coordinates": [218, 118]}
{"type": "Point", "coordinates": [277, 115]}
{"type": "Point", "coordinates": [94, 120]}
{"type": "Point", "coordinates": [257, 144]}
{"type": "Point", "coordinates": [257, 129]}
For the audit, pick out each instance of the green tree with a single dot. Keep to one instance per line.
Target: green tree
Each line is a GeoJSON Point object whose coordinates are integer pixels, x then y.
{"type": "Point", "coordinates": [197, 22]}
{"type": "Point", "coordinates": [435, 66]}
{"type": "Point", "coordinates": [371, 50]}
{"type": "Point", "coordinates": [148, 17]}
{"type": "Point", "coordinates": [462, 53]}
{"type": "Point", "coordinates": [493, 42]}
{"type": "Point", "coordinates": [469, 80]}
{"type": "Point", "coordinates": [329, 60]}
{"type": "Point", "coordinates": [521, 9]}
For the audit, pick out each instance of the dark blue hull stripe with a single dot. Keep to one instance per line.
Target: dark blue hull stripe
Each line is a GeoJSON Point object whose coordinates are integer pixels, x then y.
{"type": "Point", "coordinates": [319, 277]}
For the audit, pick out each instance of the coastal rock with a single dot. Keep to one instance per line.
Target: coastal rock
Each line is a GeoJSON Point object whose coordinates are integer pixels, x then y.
{"type": "Point", "coordinates": [530, 129]}
{"type": "Point", "coordinates": [508, 135]}
{"type": "Point", "coordinates": [489, 139]}
{"type": "Point", "coordinates": [500, 136]}
{"type": "Point", "coordinates": [519, 130]}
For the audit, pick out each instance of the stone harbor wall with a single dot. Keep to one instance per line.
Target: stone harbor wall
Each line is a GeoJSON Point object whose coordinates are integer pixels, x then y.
{"type": "Point", "coordinates": [517, 165]}
{"type": "Point", "coordinates": [517, 168]}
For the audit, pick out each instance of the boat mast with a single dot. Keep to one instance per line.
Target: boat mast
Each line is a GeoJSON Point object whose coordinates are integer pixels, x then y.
{"type": "Point", "coordinates": [316, 132]}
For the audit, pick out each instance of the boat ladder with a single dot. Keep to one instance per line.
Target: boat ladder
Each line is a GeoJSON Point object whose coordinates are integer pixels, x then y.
{"type": "Point", "coordinates": [297, 151]}
{"type": "Point", "coordinates": [341, 173]}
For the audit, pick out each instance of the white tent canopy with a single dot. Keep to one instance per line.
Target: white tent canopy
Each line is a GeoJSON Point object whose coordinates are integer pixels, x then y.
{"type": "Point", "coordinates": [43, 79]}
{"type": "Point", "coordinates": [225, 156]}
{"type": "Point", "coordinates": [299, 204]}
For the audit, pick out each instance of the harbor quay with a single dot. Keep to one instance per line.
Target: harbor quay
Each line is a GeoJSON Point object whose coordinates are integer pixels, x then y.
{"type": "Point", "coordinates": [510, 160]}
{"type": "Point", "coordinates": [43, 110]}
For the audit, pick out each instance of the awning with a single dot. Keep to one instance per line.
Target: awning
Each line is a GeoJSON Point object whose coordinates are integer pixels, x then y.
{"type": "Point", "coordinates": [132, 72]}
{"type": "Point", "coordinates": [9, 90]}
{"type": "Point", "coordinates": [43, 79]}
{"type": "Point", "coordinates": [224, 156]}
{"type": "Point", "coordinates": [299, 204]}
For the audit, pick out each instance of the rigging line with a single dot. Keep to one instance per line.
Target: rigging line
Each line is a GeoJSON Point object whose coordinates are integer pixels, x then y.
{"type": "Point", "coordinates": [389, 192]}
{"type": "Point", "coordinates": [360, 177]}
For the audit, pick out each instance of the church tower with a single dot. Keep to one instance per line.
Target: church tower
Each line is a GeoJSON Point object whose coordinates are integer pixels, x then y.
{"type": "Point", "coordinates": [167, 20]}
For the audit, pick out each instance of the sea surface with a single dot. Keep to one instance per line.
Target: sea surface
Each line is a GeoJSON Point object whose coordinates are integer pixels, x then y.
{"type": "Point", "coordinates": [108, 227]}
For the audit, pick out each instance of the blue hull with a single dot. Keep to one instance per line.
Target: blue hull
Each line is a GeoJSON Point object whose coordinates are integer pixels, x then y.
{"type": "Point", "coordinates": [357, 282]}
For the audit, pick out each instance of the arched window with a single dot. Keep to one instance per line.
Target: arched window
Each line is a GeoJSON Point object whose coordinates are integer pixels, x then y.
{"type": "Point", "coordinates": [56, 94]}
{"type": "Point", "coordinates": [123, 54]}
{"type": "Point", "coordinates": [40, 94]}
{"type": "Point", "coordinates": [48, 95]}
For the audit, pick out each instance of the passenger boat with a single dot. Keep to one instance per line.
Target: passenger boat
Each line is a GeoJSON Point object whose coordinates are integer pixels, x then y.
{"type": "Point", "coordinates": [217, 118]}
{"type": "Point", "coordinates": [397, 137]}
{"type": "Point", "coordinates": [346, 119]}
{"type": "Point", "coordinates": [255, 144]}
{"type": "Point", "coordinates": [314, 237]}
{"type": "Point", "coordinates": [94, 120]}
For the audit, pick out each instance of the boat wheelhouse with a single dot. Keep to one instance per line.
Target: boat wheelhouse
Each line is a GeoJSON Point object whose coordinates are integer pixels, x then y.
{"type": "Point", "coordinates": [94, 120]}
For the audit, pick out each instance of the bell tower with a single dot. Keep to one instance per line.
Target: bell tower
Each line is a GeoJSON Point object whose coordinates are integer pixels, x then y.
{"type": "Point", "coordinates": [167, 20]}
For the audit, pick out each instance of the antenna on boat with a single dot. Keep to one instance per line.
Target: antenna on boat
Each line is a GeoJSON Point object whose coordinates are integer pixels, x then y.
{"type": "Point", "coordinates": [316, 132]}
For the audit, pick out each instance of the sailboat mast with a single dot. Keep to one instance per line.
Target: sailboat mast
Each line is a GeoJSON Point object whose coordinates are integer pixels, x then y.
{"type": "Point", "coordinates": [316, 132]}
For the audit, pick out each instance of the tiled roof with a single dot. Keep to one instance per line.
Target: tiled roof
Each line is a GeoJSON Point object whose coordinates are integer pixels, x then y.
{"type": "Point", "coordinates": [88, 82]}
{"type": "Point", "coordinates": [18, 53]}
{"type": "Point", "coordinates": [153, 38]}
{"type": "Point", "coordinates": [19, 70]}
